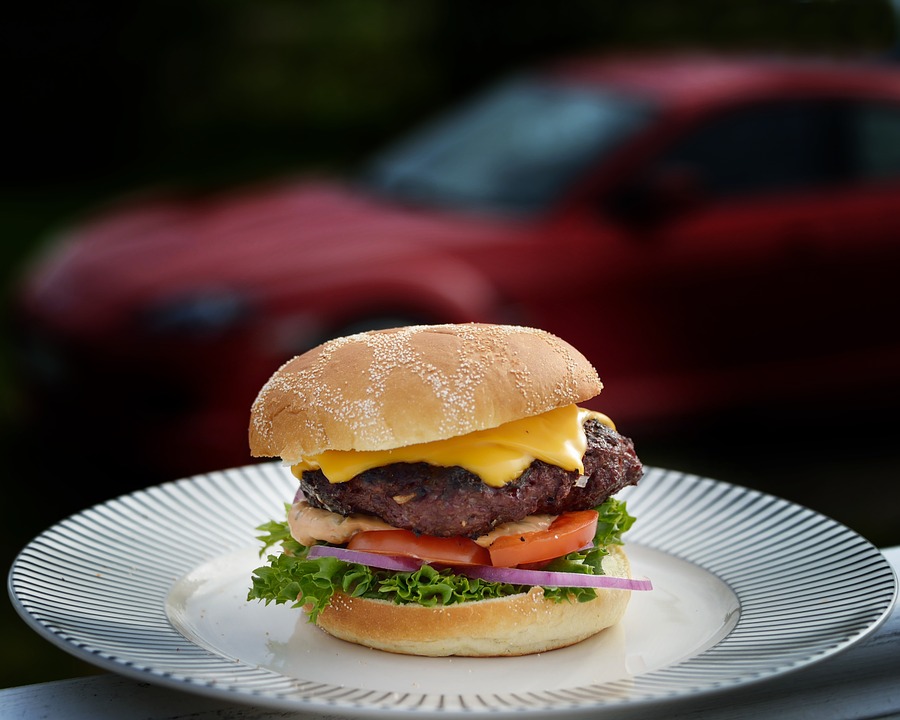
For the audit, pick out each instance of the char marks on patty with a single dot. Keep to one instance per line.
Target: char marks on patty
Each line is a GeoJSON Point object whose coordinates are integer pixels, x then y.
{"type": "Point", "coordinates": [452, 501]}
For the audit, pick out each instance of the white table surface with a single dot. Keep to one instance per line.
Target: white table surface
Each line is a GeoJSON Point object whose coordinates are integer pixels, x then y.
{"type": "Point", "coordinates": [862, 683]}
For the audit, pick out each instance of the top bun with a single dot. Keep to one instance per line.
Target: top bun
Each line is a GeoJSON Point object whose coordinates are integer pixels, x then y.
{"type": "Point", "coordinates": [385, 389]}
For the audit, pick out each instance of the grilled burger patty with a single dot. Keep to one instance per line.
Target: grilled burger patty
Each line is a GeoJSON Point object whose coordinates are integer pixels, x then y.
{"type": "Point", "coordinates": [451, 501]}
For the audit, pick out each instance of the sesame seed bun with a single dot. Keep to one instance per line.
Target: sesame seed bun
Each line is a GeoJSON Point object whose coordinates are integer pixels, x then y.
{"type": "Point", "coordinates": [391, 388]}
{"type": "Point", "coordinates": [516, 625]}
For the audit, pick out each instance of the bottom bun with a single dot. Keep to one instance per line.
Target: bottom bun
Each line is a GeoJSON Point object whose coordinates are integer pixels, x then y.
{"type": "Point", "coordinates": [517, 625]}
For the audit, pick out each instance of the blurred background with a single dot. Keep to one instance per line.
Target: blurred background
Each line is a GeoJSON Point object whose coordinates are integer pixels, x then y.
{"type": "Point", "coordinates": [156, 152]}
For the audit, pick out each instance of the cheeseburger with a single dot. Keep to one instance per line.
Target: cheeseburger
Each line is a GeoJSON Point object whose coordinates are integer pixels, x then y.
{"type": "Point", "coordinates": [453, 497]}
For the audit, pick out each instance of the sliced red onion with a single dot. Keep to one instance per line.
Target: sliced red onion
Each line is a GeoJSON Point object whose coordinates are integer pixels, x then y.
{"type": "Point", "coordinates": [543, 578]}
{"type": "Point", "coordinates": [385, 562]}
{"type": "Point", "coordinates": [515, 576]}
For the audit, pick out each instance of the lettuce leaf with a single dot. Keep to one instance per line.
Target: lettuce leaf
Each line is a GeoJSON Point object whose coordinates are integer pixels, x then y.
{"type": "Point", "coordinates": [291, 577]}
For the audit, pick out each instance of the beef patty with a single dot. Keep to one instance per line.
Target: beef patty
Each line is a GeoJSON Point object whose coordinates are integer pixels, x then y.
{"type": "Point", "coordinates": [447, 501]}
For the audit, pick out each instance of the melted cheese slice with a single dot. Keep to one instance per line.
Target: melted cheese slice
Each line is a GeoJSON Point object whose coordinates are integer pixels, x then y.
{"type": "Point", "coordinates": [498, 455]}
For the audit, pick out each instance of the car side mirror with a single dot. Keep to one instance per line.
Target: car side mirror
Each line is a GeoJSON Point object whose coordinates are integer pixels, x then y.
{"type": "Point", "coordinates": [656, 198]}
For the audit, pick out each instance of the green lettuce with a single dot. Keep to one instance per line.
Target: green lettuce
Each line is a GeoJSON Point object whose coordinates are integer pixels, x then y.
{"type": "Point", "coordinates": [291, 577]}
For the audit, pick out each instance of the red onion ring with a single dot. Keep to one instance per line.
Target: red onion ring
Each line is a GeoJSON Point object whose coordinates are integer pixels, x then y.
{"type": "Point", "coordinates": [514, 576]}
{"type": "Point", "coordinates": [544, 578]}
{"type": "Point", "coordinates": [385, 562]}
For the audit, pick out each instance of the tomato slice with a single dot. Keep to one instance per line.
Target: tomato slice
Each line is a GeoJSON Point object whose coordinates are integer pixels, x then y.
{"type": "Point", "coordinates": [443, 550]}
{"type": "Point", "coordinates": [569, 532]}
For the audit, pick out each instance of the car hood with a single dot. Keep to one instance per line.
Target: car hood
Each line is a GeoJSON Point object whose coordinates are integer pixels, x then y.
{"type": "Point", "coordinates": [156, 250]}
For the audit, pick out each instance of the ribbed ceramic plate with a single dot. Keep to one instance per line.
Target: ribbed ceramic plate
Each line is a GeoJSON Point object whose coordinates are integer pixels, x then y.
{"type": "Point", "coordinates": [153, 585]}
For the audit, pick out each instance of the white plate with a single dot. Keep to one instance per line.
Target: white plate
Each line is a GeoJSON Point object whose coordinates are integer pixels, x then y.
{"type": "Point", "coordinates": [153, 585]}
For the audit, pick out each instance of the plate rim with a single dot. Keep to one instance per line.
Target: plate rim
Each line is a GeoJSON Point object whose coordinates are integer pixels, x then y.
{"type": "Point", "coordinates": [281, 692]}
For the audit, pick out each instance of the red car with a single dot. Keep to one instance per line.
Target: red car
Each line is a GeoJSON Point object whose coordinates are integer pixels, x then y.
{"type": "Point", "coordinates": [712, 233]}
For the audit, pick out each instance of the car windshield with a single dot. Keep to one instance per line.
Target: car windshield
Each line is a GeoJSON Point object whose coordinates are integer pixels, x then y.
{"type": "Point", "coordinates": [512, 150]}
